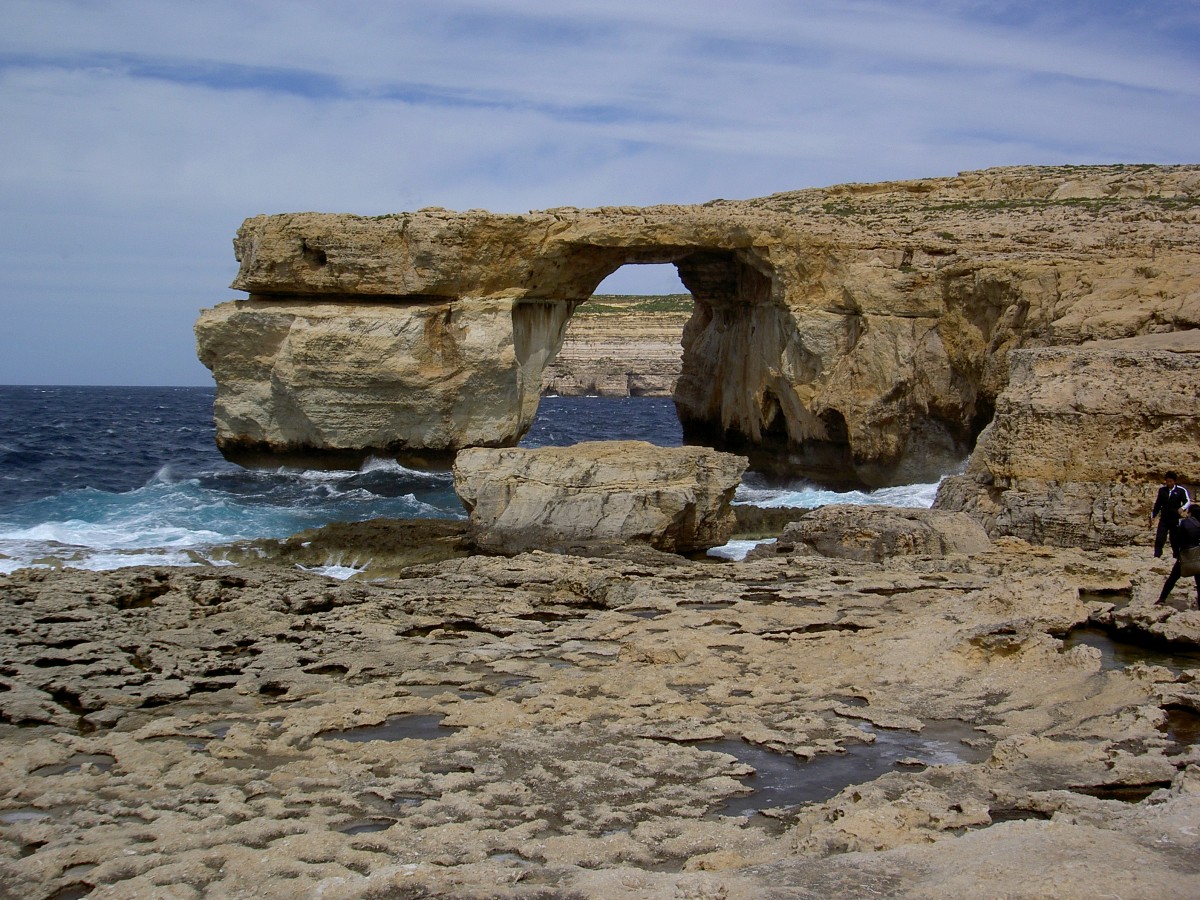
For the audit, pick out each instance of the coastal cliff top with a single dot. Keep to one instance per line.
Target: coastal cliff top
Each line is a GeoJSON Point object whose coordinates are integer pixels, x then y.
{"type": "Point", "coordinates": [1030, 213]}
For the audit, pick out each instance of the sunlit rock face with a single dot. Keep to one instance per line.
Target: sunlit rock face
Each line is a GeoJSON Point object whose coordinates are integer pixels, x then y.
{"type": "Point", "coordinates": [675, 499]}
{"type": "Point", "coordinates": [857, 334]}
{"type": "Point", "coordinates": [1081, 437]}
{"type": "Point", "coordinates": [350, 379]}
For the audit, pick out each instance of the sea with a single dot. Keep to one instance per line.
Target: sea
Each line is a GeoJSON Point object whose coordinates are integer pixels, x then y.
{"type": "Point", "coordinates": [101, 478]}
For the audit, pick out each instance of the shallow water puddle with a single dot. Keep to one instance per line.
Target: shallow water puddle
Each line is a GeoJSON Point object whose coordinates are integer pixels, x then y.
{"type": "Point", "coordinates": [97, 762]}
{"type": "Point", "coordinates": [367, 827]}
{"type": "Point", "coordinates": [1116, 653]}
{"type": "Point", "coordinates": [1182, 726]}
{"type": "Point", "coordinates": [397, 728]}
{"type": "Point", "coordinates": [18, 816]}
{"type": "Point", "coordinates": [782, 780]}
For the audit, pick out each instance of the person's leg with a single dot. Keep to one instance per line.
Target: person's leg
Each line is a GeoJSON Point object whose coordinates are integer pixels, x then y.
{"type": "Point", "coordinates": [1171, 579]}
{"type": "Point", "coordinates": [1197, 580]}
{"type": "Point", "coordinates": [1160, 536]}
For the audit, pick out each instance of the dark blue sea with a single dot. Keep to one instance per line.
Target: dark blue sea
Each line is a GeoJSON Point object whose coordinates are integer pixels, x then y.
{"type": "Point", "coordinates": [105, 477]}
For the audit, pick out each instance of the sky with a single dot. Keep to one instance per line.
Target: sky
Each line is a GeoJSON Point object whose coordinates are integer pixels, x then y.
{"type": "Point", "coordinates": [136, 135]}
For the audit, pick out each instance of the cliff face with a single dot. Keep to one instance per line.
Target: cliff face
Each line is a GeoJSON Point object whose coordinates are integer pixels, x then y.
{"type": "Point", "coordinates": [617, 346]}
{"type": "Point", "coordinates": [1081, 437]}
{"type": "Point", "coordinates": [858, 333]}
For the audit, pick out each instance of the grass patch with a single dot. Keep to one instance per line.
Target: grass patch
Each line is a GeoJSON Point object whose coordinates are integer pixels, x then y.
{"type": "Point", "coordinates": [612, 304]}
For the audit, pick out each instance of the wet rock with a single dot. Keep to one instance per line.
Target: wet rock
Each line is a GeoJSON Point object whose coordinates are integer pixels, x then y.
{"type": "Point", "coordinates": [384, 545]}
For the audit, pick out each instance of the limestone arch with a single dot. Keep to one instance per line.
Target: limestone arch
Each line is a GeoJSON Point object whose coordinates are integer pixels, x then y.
{"type": "Point", "coordinates": [736, 303]}
{"type": "Point", "coordinates": [418, 334]}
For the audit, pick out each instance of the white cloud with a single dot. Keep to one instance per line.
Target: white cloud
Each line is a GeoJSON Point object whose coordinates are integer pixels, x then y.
{"type": "Point", "coordinates": [138, 134]}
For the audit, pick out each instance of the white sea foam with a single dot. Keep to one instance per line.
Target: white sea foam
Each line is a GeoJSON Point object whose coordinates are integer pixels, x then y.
{"type": "Point", "coordinates": [340, 572]}
{"type": "Point", "coordinates": [737, 550]}
{"type": "Point", "coordinates": [57, 556]}
{"type": "Point", "coordinates": [392, 467]}
{"type": "Point", "coordinates": [103, 562]}
{"type": "Point", "coordinates": [809, 497]}
{"type": "Point", "coordinates": [112, 536]}
{"type": "Point", "coordinates": [287, 472]}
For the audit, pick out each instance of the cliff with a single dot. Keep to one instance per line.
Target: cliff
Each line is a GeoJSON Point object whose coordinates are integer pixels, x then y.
{"type": "Point", "coordinates": [621, 346]}
{"type": "Point", "coordinates": [857, 334]}
{"type": "Point", "coordinates": [1080, 439]}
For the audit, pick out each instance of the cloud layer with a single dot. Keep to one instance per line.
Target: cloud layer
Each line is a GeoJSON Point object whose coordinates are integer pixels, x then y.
{"type": "Point", "coordinates": [138, 134]}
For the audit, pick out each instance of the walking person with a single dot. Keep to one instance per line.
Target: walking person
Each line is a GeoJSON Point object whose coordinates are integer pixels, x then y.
{"type": "Point", "coordinates": [1187, 537]}
{"type": "Point", "coordinates": [1172, 498]}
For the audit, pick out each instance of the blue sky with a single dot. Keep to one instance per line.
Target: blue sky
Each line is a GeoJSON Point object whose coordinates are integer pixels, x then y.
{"type": "Point", "coordinates": [137, 135]}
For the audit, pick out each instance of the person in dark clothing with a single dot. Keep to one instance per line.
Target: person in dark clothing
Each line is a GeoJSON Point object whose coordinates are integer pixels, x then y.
{"type": "Point", "coordinates": [1187, 535]}
{"type": "Point", "coordinates": [1172, 497]}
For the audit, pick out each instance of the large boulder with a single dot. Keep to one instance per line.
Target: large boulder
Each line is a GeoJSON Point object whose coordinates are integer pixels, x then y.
{"type": "Point", "coordinates": [676, 499]}
{"type": "Point", "coordinates": [1081, 438]}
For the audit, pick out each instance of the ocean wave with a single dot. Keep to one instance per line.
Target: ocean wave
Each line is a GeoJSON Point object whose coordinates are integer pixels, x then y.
{"type": "Point", "coordinates": [90, 561]}
{"type": "Point", "coordinates": [79, 527]}
{"type": "Point", "coordinates": [392, 467]}
{"type": "Point", "coordinates": [737, 550]}
{"type": "Point", "coordinates": [808, 496]}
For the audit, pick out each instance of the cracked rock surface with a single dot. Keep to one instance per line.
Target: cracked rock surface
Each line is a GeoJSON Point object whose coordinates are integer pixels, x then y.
{"type": "Point", "coordinates": [566, 726]}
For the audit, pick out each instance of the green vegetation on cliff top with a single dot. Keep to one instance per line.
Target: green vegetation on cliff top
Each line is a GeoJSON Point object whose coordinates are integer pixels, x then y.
{"type": "Point", "coordinates": [638, 304]}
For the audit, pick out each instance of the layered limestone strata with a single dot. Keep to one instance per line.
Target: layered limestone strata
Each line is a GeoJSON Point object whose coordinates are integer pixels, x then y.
{"type": "Point", "coordinates": [675, 499]}
{"type": "Point", "coordinates": [346, 380]}
{"type": "Point", "coordinates": [615, 348]}
{"type": "Point", "coordinates": [857, 333]}
{"type": "Point", "coordinates": [1081, 438]}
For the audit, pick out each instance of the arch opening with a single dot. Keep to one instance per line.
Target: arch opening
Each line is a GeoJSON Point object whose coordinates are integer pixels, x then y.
{"type": "Point", "coordinates": [625, 340]}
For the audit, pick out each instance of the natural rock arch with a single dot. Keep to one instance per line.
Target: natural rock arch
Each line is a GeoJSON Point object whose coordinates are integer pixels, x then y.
{"type": "Point", "coordinates": [856, 334]}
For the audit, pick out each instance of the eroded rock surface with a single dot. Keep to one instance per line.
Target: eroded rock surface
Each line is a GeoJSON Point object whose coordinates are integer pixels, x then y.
{"type": "Point", "coordinates": [411, 379]}
{"type": "Point", "coordinates": [553, 725]}
{"type": "Point", "coordinates": [879, 533]}
{"type": "Point", "coordinates": [857, 333]}
{"type": "Point", "coordinates": [1081, 438]}
{"type": "Point", "coordinates": [675, 499]}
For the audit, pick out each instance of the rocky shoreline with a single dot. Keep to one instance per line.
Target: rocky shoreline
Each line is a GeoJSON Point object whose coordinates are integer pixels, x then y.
{"type": "Point", "coordinates": [545, 702]}
{"type": "Point", "coordinates": [553, 725]}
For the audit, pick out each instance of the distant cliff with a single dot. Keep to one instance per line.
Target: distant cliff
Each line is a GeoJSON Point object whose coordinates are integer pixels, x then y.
{"type": "Point", "coordinates": [621, 346]}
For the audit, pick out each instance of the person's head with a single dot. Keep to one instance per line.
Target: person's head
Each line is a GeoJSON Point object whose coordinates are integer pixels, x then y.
{"type": "Point", "coordinates": [1169, 479]}
{"type": "Point", "coordinates": [1194, 509]}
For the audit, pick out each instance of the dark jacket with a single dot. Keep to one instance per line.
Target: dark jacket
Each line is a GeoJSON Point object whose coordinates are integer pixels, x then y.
{"type": "Point", "coordinates": [1188, 532]}
{"type": "Point", "coordinates": [1169, 501]}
